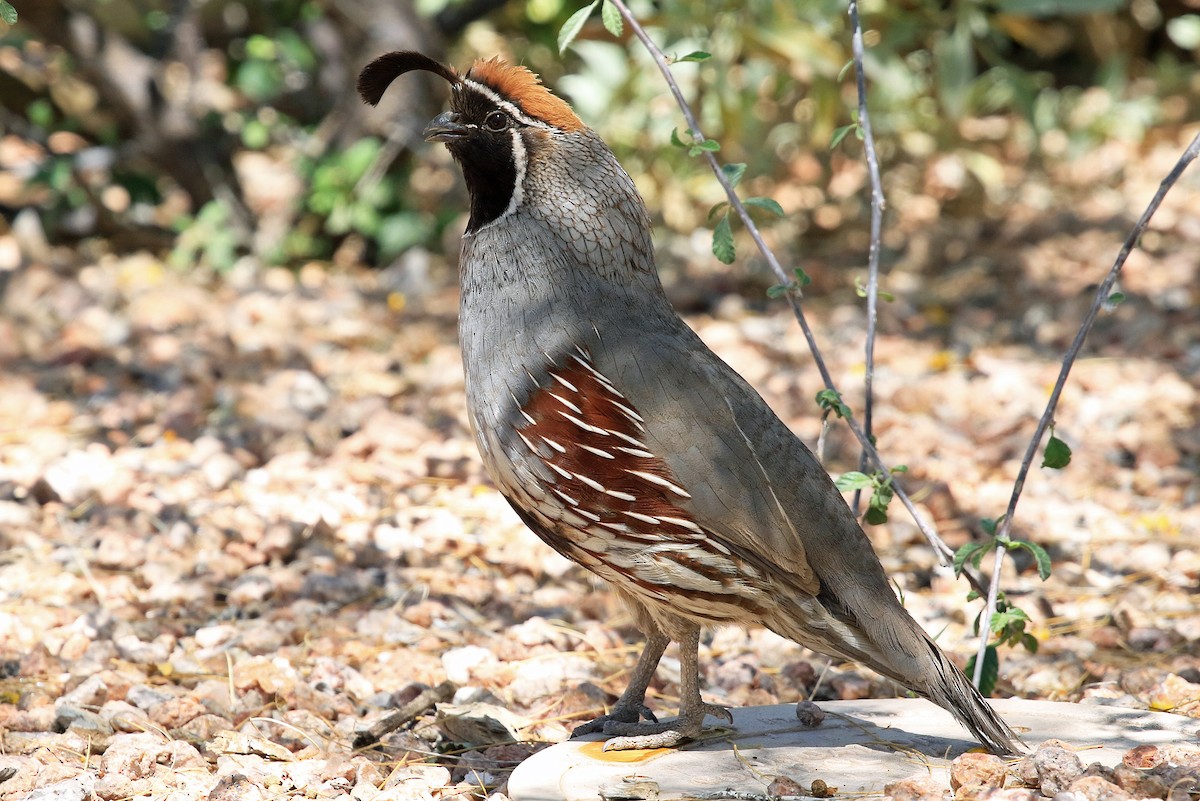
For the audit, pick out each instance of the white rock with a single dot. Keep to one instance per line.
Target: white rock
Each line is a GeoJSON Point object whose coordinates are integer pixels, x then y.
{"type": "Point", "coordinates": [459, 662]}
{"type": "Point", "coordinates": [80, 473]}
{"type": "Point", "coordinates": [220, 470]}
{"type": "Point", "coordinates": [78, 788]}
{"type": "Point", "coordinates": [212, 636]}
{"type": "Point", "coordinates": [861, 747]}
{"type": "Point", "coordinates": [550, 675]}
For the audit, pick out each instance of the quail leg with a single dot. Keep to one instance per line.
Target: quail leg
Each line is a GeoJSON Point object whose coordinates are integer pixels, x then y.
{"type": "Point", "coordinates": [692, 710]}
{"type": "Point", "coordinates": [631, 706]}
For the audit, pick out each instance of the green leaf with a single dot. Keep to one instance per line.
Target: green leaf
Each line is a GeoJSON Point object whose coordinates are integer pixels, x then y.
{"type": "Point", "coordinates": [675, 140]}
{"type": "Point", "coordinates": [1046, 8]}
{"type": "Point", "coordinates": [1039, 555]}
{"type": "Point", "coordinates": [704, 146]}
{"type": "Point", "coordinates": [964, 553]}
{"type": "Point", "coordinates": [40, 112]}
{"type": "Point", "coordinates": [722, 246]}
{"type": "Point", "coordinates": [8, 13]}
{"type": "Point", "coordinates": [765, 203]}
{"type": "Point", "coordinates": [256, 135]}
{"type": "Point", "coordinates": [1115, 299]}
{"type": "Point", "coordinates": [830, 401]}
{"type": "Point", "coordinates": [1057, 454]}
{"type": "Point", "coordinates": [612, 19]}
{"type": "Point", "coordinates": [778, 291]}
{"type": "Point", "coordinates": [989, 525]}
{"type": "Point", "coordinates": [259, 80]}
{"type": "Point", "coordinates": [839, 134]}
{"type": "Point", "coordinates": [876, 516]}
{"type": "Point", "coordinates": [990, 672]}
{"type": "Point", "coordinates": [262, 48]}
{"type": "Point", "coordinates": [849, 65]}
{"type": "Point", "coordinates": [955, 69]}
{"type": "Point", "coordinates": [733, 172]}
{"type": "Point", "coordinates": [802, 278]}
{"type": "Point", "coordinates": [695, 55]}
{"type": "Point", "coordinates": [574, 25]}
{"type": "Point", "coordinates": [860, 289]}
{"type": "Point", "coordinates": [717, 209]}
{"type": "Point", "coordinates": [1029, 642]}
{"type": "Point", "coordinates": [880, 498]}
{"type": "Point", "coordinates": [1013, 617]}
{"type": "Point", "coordinates": [854, 480]}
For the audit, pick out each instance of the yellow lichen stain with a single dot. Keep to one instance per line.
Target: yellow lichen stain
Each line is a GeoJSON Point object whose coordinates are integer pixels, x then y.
{"type": "Point", "coordinates": [596, 750]}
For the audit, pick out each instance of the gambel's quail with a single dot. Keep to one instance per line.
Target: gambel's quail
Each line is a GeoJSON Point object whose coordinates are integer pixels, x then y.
{"type": "Point", "coordinates": [622, 441]}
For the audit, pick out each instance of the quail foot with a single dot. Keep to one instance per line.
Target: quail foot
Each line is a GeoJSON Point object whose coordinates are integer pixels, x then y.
{"type": "Point", "coordinates": [622, 441]}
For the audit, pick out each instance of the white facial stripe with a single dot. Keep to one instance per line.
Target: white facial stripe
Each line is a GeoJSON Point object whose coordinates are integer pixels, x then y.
{"type": "Point", "coordinates": [518, 144]}
{"type": "Point", "coordinates": [518, 192]}
{"type": "Point", "coordinates": [508, 107]}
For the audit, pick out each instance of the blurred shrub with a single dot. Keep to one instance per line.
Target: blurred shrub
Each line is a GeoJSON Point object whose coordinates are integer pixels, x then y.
{"type": "Point", "coordinates": [218, 128]}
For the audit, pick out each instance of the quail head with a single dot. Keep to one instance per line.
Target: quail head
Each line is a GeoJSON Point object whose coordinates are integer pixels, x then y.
{"type": "Point", "coordinates": [622, 441]}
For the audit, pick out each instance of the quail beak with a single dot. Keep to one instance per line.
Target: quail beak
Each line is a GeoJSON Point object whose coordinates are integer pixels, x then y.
{"type": "Point", "coordinates": [445, 127]}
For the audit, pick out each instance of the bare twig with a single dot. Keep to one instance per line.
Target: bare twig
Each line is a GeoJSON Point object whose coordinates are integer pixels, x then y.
{"type": "Point", "coordinates": [417, 706]}
{"type": "Point", "coordinates": [944, 552]}
{"type": "Point", "coordinates": [877, 206]}
{"type": "Point", "coordinates": [1102, 293]}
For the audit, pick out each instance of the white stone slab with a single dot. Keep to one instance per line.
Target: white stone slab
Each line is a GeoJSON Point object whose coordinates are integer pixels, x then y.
{"type": "Point", "coordinates": [861, 747]}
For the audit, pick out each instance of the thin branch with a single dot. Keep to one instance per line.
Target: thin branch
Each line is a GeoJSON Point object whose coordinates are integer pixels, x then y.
{"type": "Point", "coordinates": [427, 699]}
{"type": "Point", "coordinates": [944, 552]}
{"type": "Point", "coordinates": [877, 206]}
{"type": "Point", "coordinates": [1102, 293]}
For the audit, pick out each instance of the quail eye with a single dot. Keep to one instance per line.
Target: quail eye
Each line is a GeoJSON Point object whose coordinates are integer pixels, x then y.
{"type": "Point", "coordinates": [496, 121]}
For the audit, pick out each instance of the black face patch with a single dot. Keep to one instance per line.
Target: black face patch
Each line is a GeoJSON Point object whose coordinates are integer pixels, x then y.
{"type": "Point", "coordinates": [486, 155]}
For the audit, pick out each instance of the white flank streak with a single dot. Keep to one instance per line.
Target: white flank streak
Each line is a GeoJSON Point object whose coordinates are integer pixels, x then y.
{"type": "Point", "coordinates": [565, 497]}
{"type": "Point", "coordinates": [660, 481]}
{"type": "Point", "coordinates": [618, 527]}
{"type": "Point", "coordinates": [595, 518]}
{"type": "Point", "coordinates": [604, 382]}
{"type": "Point", "coordinates": [630, 413]}
{"type": "Point", "coordinates": [637, 443]}
{"type": "Point", "coordinates": [529, 444]}
{"type": "Point", "coordinates": [602, 453]}
{"type": "Point", "coordinates": [564, 382]}
{"type": "Point", "coordinates": [572, 518]}
{"type": "Point", "coordinates": [585, 426]}
{"type": "Point", "coordinates": [561, 471]}
{"type": "Point", "coordinates": [554, 445]}
{"type": "Point", "coordinates": [641, 454]}
{"type": "Point", "coordinates": [623, 496]}
{"type": "Point", "coordinates": [654, 521]}
{"type": "Point", "coordinates": [596, 485]}
{"type": "Point", "coordinates": [603, 379]}
{"type": "Point", "coordinates": [679, 521]}
{"type": "Point", "coordinates": [566, 403]}
{"type": "Point", "coordinates": [524, 413]}
{"type": "Point", "coordinates": [770, 487]}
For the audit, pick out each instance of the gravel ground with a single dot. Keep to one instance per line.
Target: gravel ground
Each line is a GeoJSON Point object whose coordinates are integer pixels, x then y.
{"type": "Point", "coordinates": [242, 520]}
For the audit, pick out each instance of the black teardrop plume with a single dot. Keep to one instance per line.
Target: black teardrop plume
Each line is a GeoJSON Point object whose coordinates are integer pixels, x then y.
{"type": "Point", "coordinates": [377, 76]}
